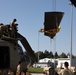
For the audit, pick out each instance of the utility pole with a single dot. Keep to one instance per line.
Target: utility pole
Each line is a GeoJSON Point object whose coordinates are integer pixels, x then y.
{"type": "Point", "coordinates": [71, 24]}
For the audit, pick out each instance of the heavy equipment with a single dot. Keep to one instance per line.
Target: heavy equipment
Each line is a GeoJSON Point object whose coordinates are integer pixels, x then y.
{"type": "Point", "coordinates": [11, 52]}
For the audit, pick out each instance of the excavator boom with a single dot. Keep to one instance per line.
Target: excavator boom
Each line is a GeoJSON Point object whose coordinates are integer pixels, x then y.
{"type": "Point", "coordinates": [27, 46]}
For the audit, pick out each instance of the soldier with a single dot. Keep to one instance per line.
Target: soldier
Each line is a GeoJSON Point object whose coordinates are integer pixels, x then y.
{"type": "Point", "coordinates": [19, 68]}
{"type": "Point", "coordinates": [66, 70]}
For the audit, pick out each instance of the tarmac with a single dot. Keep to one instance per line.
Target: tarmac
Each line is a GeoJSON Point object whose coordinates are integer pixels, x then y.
{"type": "Point", "coordinates": [37, 74]}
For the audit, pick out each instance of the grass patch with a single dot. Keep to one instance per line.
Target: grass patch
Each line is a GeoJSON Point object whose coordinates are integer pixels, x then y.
{"type": "Point", "coordinates": [36, 70]}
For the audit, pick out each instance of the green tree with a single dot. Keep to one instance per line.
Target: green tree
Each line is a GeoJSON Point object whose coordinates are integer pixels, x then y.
{"type": "Point", "coordinates": [46, 53]}
{"type": "Point", "coordinates": [63, 55]}
{"type": "Point", "coordinates": [56, 55]}
{"type": "Point", "coordinates": [50, 55]}
{"type": "Point", "coordinates": [41, 55]}
{"type": "Point", "coordinates": [68, 55]}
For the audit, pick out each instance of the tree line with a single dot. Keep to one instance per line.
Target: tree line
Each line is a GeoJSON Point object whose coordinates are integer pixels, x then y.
{"type": "Point", "coordinates": [47, 54]}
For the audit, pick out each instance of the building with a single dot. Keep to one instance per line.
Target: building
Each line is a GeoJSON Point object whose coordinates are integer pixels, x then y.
{"type": "Point", "coordinates": [46, 62]}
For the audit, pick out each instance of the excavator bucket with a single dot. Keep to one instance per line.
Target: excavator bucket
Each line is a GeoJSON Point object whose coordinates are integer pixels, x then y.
{"type": "Point", "coordinates": [52, 21]}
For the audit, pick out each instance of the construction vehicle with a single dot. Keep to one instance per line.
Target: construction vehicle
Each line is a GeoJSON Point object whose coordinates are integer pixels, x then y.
{"type": "Point", "coordinates": [10, 50]}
